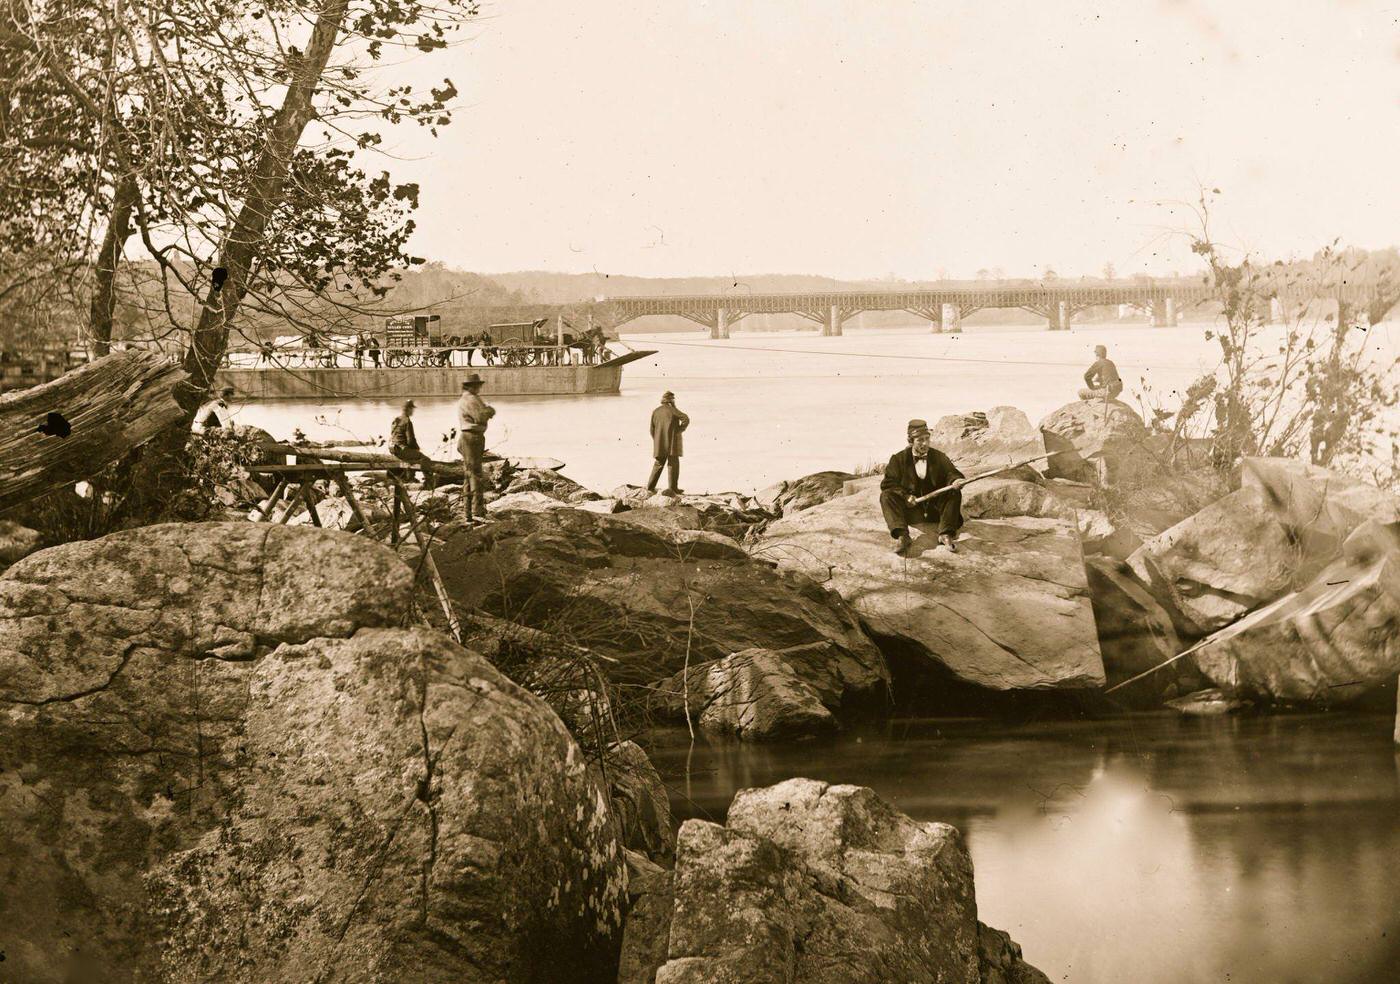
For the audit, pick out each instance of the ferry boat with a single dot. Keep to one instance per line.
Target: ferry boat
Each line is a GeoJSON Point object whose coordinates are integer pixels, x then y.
{"type": "Point", "coordinates": [413, 357]}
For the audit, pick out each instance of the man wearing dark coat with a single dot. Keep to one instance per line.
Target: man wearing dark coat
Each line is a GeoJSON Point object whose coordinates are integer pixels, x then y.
{"type": "Point", "coordinates": [916, 471]}
{"type": "Point", "coordinates": [403, 444]}
{"type": "Point", "coordinates": [667, 425]}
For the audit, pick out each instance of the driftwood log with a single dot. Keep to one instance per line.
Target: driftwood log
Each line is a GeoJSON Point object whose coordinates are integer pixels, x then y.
{"type": "Point", "coordinates": [71, 428]}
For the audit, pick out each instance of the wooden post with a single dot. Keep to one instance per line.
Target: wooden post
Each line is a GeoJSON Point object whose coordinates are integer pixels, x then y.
{"type": "Point", "coordinates": [344, 482]}
{"type": "Point", "coordinates": [306, 493]}
{"type": "Point", "coordinates": [434, 575]}
{"type": "Point", "coordinates": [394, 529]}
{"type": "Point", "coordinates": [272, 500]}
{"type": "Point", "coordinates": [292, 501]}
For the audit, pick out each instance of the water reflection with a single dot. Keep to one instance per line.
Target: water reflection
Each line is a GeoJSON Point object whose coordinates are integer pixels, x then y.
{"type": "Point", "coordinates": [1153, 849]}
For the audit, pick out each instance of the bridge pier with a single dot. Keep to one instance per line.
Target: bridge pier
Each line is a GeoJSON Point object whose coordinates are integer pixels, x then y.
{"type": "Point", "coordinates": [833, 322]}
{"type": "Point", "coordinates": [721, 327]}
{"type": "Point", "coordinates": [1164, 312]}
{"type": "Point", "coordinates": [1059, 315]}
{"type": "Point", "coordinates": [936, 322]}
{"type": "Point", "coordinates": [950, 317]}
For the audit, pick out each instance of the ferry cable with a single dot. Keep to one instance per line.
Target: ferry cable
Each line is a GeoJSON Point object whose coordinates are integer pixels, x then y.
{"type": "Point", "coordinates": [912, 358]}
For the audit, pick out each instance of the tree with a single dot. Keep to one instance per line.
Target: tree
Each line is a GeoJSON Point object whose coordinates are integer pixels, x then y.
{"type": "Point", "coordinates": [1109, 270]}
{"type": "Point", "coordinates": [183, 123]}
{"type": "Point", "coordinates": [1049, 274]}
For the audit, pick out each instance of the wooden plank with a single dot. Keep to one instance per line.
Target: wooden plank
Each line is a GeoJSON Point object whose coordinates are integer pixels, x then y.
{"type": "Point", "coordinates": [91, 416]}
{"type": "Point", "coordinates": [292, 502]}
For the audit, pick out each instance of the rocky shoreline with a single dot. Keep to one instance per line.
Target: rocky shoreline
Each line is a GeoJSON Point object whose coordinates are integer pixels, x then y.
{"type": "Point", "coordinates": [250, 752]}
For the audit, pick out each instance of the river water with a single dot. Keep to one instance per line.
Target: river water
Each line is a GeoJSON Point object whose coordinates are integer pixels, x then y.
{"type": "Point", "coordinates": [767, 407]}
{"type": "Point", "coordinates": [1150, 849]}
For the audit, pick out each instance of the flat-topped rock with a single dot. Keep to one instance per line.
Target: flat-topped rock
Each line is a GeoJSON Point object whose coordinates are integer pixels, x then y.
{"type": "Point", "coordinates": [1010, 610]}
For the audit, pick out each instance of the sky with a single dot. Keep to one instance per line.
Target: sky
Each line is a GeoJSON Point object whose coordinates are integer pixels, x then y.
{"type": "Point", "coordinates": [907, 139]}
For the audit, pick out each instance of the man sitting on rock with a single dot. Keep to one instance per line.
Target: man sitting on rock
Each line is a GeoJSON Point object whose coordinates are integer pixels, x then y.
{"type": "Point", "coordinates": [403, 444]}
{"type": "Point", "coordinates": [914, 472]}
{"type": "Point", "coordinates": [1101, 378]}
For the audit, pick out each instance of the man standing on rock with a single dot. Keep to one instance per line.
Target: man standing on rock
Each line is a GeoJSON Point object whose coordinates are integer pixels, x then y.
{"type": "Point", "coordinates": [1101, 378]}
{"type": "Point", "coordinates": [916, 471]}
{"type": "Point", "coordinates": [667, 426]}
{"type": "Point", "coordinates": [472, 416]}
{"type": "Point", "coordinates": [403, 444]}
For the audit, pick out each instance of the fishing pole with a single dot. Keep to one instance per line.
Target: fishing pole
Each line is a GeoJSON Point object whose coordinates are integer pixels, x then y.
{"type": "Point", "coordinates": [998, 471]}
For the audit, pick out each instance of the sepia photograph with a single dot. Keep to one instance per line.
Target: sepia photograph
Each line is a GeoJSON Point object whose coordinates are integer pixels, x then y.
{"type": "Point", "coordinates": [699, 492]}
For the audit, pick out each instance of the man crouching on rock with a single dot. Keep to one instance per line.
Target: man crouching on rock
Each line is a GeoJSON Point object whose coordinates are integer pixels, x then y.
{"type": "Point", "coordinates": [916, 471]}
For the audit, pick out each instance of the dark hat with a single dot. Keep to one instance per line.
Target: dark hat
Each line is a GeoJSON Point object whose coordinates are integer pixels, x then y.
{"type": "Point", "coordinates": [668, 397]}
{"type": "Point", "coordinates": [226, 391]}
{"type": "Point", "coordinates": [915, 427]}
{"type": "Point", "coordinates": [473, 380]}
{"type": "Point", "coordinates": [408, 404]}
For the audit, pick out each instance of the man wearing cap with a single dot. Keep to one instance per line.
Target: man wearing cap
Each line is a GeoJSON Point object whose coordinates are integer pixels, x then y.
{"type": "Point", "coordinates": [215, 414]}
{"type": "Point", "coordinates": [403, 444]}
{"type": "Point", "coordinates": [914, 472]}
{"type": "Point", "coordinates": [1101, 379]}
{"type": "Point", "coordinates": [472, 416]}
{"type": "Point", "coordinates": [667, 426]}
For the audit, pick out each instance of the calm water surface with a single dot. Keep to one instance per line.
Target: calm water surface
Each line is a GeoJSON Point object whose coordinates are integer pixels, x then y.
{"type": "Point", "coordinates": [1150, 849]}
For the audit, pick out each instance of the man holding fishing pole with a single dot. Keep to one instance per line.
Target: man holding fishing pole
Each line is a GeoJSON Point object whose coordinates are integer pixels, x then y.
{"type": "Point", "coordinates": [905, 492]}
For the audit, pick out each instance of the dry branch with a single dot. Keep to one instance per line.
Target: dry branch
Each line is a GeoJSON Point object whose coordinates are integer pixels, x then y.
{"type": "Point", "coordinates": [108, 407]}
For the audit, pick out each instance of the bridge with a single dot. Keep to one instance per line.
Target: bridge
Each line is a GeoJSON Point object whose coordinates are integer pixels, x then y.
{"type": "Point", "coordinates": [945, 307]}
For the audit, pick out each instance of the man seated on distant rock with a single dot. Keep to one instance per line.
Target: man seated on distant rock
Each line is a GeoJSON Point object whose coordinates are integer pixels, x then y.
{"type": "Point", "coordinates": [403, 444]}
{"type": "Point", "coordinates": [1101, 378]}
{"type": "Point", "coordinates": [914, 472]}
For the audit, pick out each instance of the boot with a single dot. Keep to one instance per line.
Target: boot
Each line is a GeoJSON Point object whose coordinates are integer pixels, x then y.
{"type": "Point", "coordinates": [673, 474]}
{"type": "Point", "coordinates": [949, 540]}
{"type": "Point", "coordinates": [902, 546]}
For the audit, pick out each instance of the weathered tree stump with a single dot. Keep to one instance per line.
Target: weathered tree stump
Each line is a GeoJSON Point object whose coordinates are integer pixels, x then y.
{"type": "Point", "coordinates": [73, 427]}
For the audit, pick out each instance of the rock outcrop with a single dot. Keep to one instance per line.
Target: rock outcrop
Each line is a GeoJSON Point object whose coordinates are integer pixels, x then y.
{"type": "Point", "coordinates": [1329, 642]}
{"type": "Point", "coordinates": [978, 442]}
{"type": "Point", "coordinates": [1225, 560]}
{"type": "Point", "coordinates": [1094, 439]}
{"type": "Point", "coordinates": [803, 493]}
{"type": "Point", "coordinates": [817, 884]}
{"type": "Point", "coordinates": [1010, 610]}
{"type": "Point", "coordinates": [124, 668]}
{"type": "Point", "coordinates": [755, 695]}
{"type": "Point", "coordinates": [16, 542]}
{"type": "Point", "coordinates": [639, 596]}
{"type": "Point", "coordinates": [215, 734]}
{"type": "Point", "coordinates": [999, 498]}
{"type": "Point", "coordinates": [407, 813]}
{"type": "Point", "coordinates": [1319, 507]}
{"type": "Point", "coordinates": [640, 803]}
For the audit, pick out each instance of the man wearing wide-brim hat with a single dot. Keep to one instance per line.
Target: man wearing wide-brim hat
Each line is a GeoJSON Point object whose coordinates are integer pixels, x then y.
{"type": "Point", "coordinates": [667, 426]}
{"type": "Point", "coordinates": [914, 472]}
{"type": "Point", "coordinates": [472, 416]}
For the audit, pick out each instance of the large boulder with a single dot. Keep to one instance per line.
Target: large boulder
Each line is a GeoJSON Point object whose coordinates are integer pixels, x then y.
{"type": "Point", "coordinates": [1232, 556]}
{"type": "Point", "coordinates": [645, 599]}
{"type": "Point", "coordinates": [1318, 506]}
{"type": "Point", "coordinates": [124, 669]}
{"type": "Point", "coordinates": [1329, 642]}
{"type": "Point", "coordinates": [1094, 439]}
{"type": "Point", "coordinates": [811, 883]}
{"type": "Point", "coordinates": [640, 803]}
{"type": "Point", "coordinates": [17, 542]}
{"type": "Point", "coordinates": [407, 813]}
{"type": "Point", "coordinates": [754, 695]}
{"type": "Point", "coordinates": [1137, 634]}
{"type": "Point", "coordinates": [998, 498]}
{"type": "Point", "coordinates": [809, 490]}
{"type": "Point", "coordinates": [1010, 610]}
{"type": "Point", "coordinates": [978, 442]}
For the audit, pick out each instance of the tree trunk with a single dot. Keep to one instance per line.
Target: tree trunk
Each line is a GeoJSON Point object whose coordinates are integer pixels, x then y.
{"type": "Point", "coordinates": [265, 195]}
{"type": "Point", "coordinates": [108, 407]}
{"type": "Point", "coordinates": [104, 291]}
